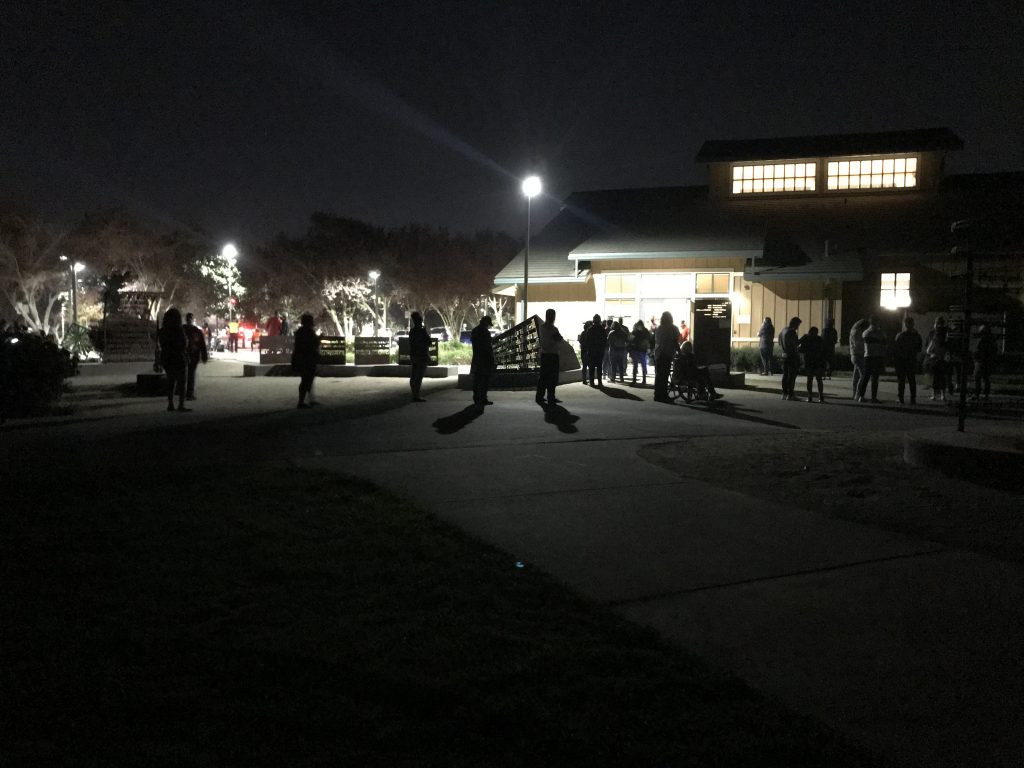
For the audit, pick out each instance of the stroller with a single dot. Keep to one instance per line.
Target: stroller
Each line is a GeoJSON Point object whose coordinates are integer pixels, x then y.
{"type": "Point", "coordinates": [682, 384]}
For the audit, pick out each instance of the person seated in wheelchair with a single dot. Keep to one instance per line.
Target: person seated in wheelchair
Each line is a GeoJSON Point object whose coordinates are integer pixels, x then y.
{"type": "Point", "coordinates": [685, 369]}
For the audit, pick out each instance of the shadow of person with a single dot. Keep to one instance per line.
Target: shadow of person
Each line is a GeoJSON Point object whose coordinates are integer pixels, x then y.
{"type": "Point", "coordinates": [448, 425]}
{"type": "Point", "coordinates": [733, 411]}
{"type": "Point", "coordinates": [561, 418]}
{"type": "Point", "coordinates": [619, 394]}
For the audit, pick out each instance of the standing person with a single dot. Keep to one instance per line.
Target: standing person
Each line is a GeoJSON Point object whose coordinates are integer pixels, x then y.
{"type": "Point", "coordinates": [684, 333]}
{"type": "Point", "coordinates": [617, 341]}
{"type": "Point", "coordinates": [938, 357]}
{"type": "Point", "coordinates": [208, 333]}
{"type": "Point", "coordinates": [597, 340]}
{"type": "Point", "coordinates": [874, 359]}
{"type": "Point", "coordinates": [984, 357]}
{"type": "Point", "coordinates": [906, 349]}
{"type": "Point", "coordinates": [173, 345]}
{"type": "Point", "coordinates": [548, 339]}
{"type": "Point", "coordinates": [483, 361]}
{"type": "Point", "coordinates": [584, 360]}
{"type": "Point", "coordinates": [813, 348]}
{"type": "Point", "coordinates": [830, 337]}
{"type": "Point", "coordinates": [232, 336]}
{"type": "Point", "coordinates": [285, 329]}
{"type": "Point", "coordinates": [789, 344]}
{"type": "Point", "coordinates": [305, 356]}
{"type": "Point", "coordinates": [857, 352]}
{"type": "Point", "coordinates": [666, 343]}
{"type": "Point", "coordinates": [419, 355]}
{"type": "Point", "coordinates": [638, 345]}
{"type": "Point", "coordinates": [274, 324]}
{"type": "Point", "coordinates": [196, 350]}
{"type": "Point", "coordinates": [766, 345]}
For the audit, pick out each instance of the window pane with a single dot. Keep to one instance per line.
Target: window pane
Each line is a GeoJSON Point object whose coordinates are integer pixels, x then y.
{"type": "Point", "coordinates": [911, 163]}
{"type": "Point", "coordinates": [911, 179]}
{"type": "Point", "coordinates": [613, 284]}
{"type": "Point", "coordinates": [758, 185]}
{"type": "Point", "coordinates": [705, 282]}
{"type": "Point", "coordinates": [737, 172]}
{"type": "Point", "coordinates": [887, 165]}
{"type": "Point", "coordinates": [737, 187]}
{"type": "Point", "coordinates": [790, 170]}
{"type": "Point", "coordinates": [721, 283]}
{"type": "Point", "coordinates": [748, 186]}
{"type": "Point", "coordinates": [876, 166]}
{"type": "Point", "coordinates": [629, 284]}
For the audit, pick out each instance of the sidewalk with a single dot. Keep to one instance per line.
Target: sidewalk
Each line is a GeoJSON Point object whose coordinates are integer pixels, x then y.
{"type": "Point", "coordinates": [908, 647]}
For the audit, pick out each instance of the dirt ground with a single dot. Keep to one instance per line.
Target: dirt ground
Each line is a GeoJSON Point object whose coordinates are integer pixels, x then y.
{"type": "Point", "coordinates": [856, 477]}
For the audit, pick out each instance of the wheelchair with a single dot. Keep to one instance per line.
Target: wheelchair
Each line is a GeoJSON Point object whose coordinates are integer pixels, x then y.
{"type": "Point", "coordinates": [684, 387]}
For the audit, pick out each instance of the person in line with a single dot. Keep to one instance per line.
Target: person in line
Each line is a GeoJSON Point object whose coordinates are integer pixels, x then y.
{"type": "Point", "coordinates": [419, 355]}
{"type": "Point", "coordinates": [937, 354]}
{"type": "Point", "coordinates": [906, 350]}
{"type": "Point", "coordinates": [606, 362]}
{"type": "Point", "coordinates": [196, 350]}
{"type": "Point", "coordinates": [232, 336]}
{"type": "Point", "coordinates": [305, 356]}
{"type": "Point", "coordinates": [857, 353]}
{"type": "Point", "coordinates": [173, 346]}
{"type": "Point", "coordinates": [638, 345]}
{"type": "Point", "coordinates": [959, 350]}
{"type": "Point", "coordinates": [584, 359]}
{"type": "Point", "coordinates": [984, 358]}
{"type": "Point", "coordinates": [830, 337]}
{"type": "Point", "coordinates": [874, 359]}
{"type": "Point", "coordinates": [666, 343]}
{"type": "Point", "coordinates": [274, 324]}
{"type": "Point", "coordinates": [789, 345]}
{"type": "Point", "coordinates": [548, 339]}
{"type": "Point", "coordinates": [482, 365]}
{"type": "Point", "coordinates": [766, 345]}
{"type": "Point", "coordinates": [814, 350]}
{"type": "Point", "coordinates": [285, 329]}
{"type": "Point", "coordinates": [597, 340]}
{"type": "Point", "coordinates": [688, 370]}
{"type": "Point", "coordinates": [684, 332]}
{"type": "Point", "coordinates": [617, 342]}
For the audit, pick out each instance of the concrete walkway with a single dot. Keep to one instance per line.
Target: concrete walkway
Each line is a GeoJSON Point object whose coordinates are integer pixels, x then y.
{"type": "Point", "coordinates": [908, 647]}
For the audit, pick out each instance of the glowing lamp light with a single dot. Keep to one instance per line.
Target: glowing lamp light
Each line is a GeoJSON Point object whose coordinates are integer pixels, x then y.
{"type": "Point", "coordinates": [229, 252]}
{"type": "Point", "coordinates": [79, 266]}
{"type": "Point", "coordinates": [374, 274]}
{"type": "Point", "coordinates": [895, 290]}
{"type": "Point", "coordinates": [531, 186]}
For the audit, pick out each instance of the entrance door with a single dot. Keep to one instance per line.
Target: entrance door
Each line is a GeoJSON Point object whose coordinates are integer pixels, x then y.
{"type": "Point", "coordinates": [652, 308]}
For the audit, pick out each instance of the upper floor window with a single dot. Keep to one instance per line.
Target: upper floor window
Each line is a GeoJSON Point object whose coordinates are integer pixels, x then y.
{"type": "Point", "coordinates": [708, 282]}
{"type": "Point", "coordinates": [774, 177]}
{"type": "Point", "coordinates": [872, 173]}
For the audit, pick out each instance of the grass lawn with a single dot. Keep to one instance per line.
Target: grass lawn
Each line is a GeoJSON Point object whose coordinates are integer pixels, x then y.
{"type": "Point", "coordinates": [299, 619]}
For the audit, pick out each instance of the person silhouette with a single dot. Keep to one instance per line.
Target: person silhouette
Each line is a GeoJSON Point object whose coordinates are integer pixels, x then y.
{"type": "Point", "coordinates": [483, 361]}
{"type": "Point", "coordinates": [419, 355]}
{"type": "Point", "coordinates": [196, 350]}
{"type": "Point", "coordinates": [305, 356]}
{"type": "Point", "coordinates": [173, 346]}
{"type": "Point", "coordinates": [548, 339]}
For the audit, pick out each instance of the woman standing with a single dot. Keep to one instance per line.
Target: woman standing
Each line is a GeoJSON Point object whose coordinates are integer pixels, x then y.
{"type": "Point", "coordinates": [766, 345]}
{"type": "Point", "coordinates": [173, 345]}
{"type": "Point", "coordinates": [666, 342]}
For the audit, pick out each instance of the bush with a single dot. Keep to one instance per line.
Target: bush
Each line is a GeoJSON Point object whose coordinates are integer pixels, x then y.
{"type": "Point", "coordinates": [32, 373]}
{"type": "Point", "coordinates": [749, 359]}
{"type": "Point", "coordinates": [454, 353]}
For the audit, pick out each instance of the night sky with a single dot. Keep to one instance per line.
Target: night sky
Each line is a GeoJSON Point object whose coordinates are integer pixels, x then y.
{"type": "Point", "coordinates": [243, 119]}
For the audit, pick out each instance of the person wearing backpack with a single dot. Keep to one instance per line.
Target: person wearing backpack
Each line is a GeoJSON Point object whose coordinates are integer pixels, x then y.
{"type": "Point", "coordinates": [638, 346]}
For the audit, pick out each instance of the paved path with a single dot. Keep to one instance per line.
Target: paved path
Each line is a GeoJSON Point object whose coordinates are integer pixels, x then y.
{"type": "Point", "coordinates": [908, 647]}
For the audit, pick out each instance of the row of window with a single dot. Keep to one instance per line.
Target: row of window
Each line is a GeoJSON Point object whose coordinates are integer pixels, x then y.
{"type": "Point", "coordinates": [656, 284]}
{"type": "Point", "coordinates": [873, 173]}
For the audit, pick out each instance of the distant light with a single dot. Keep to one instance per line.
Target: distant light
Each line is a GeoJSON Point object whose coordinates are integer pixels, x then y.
{"type": "Point", "coordinates": [531, 186]}
{"type": "Point", "coordinates": [63, 257]}
{"type": "Point", "coordinates": [374, 274]}
{"type": "Point", "coordinates": [229, 252]}
{"type": "Point", "coordinates": [15, 339]}
{"type": "Point", "coordinates": [79, 266]}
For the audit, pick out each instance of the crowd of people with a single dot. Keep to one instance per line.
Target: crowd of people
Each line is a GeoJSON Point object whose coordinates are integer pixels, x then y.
{"type": "Point", "coordinates": [942, 355]}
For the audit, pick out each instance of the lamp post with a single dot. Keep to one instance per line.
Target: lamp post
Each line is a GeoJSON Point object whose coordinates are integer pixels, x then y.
{"type": "Point", "coordinates": [230, 255]}
{"type": "Point", "coordinates": [374, 274]}
{"type": "Point", "coordinates": [531, 188]}
{"type": "Point", "coordinates": [73, 270]}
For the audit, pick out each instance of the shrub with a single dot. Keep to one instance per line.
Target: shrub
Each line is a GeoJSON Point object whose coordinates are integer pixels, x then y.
{"type": "Point", "coordinates": [32, 373]}
{"type": "Point", "coordinates": [454, 353]}
{"type": "Point", "coordinates": [749, 359]}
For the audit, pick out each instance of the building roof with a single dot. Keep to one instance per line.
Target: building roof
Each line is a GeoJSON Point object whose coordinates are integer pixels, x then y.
{"type": "Point", "coordinates": [796, 147]}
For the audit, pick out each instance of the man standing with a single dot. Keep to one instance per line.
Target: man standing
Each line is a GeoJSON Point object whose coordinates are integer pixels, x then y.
{"type": "Point", "coordinates": [232, 336]}
{"type": "Point", "coordinates": [789, 345]}
{"type": "Point", "coordinates": [548, 338]}
{"type": "Point", "coordinates": [274, 324]}
{"type": "Point", "coordinates": [906, 350]}
{"type": "Point", "coordinates": [195, 348]}
{"type": "Point", "coordinates": [305, 356]}
{"type": "Point", "coordinates": [874, 359]}
{"type": "Point", "coordinates": [419, 355]}
{"type": "Point", "coordinates": [483, 361]}
{"type": "Point", "coordinates": [597, 340]}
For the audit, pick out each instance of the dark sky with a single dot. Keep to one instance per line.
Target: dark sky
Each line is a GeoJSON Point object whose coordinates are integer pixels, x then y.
{"type": "Point", "coordinates": [245, 118]}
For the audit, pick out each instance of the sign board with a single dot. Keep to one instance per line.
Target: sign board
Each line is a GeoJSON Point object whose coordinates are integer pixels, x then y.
{"type": "Point", "coordinates": [276, 349]}
{"type": "Point", "coordinates": [403, 352]}
{"type": "Point", "coordinates": [332, 350]}
{"type": "Point", "coordinates": [712, 331]}
{"type": "Point", "coordinates": [373, 350]}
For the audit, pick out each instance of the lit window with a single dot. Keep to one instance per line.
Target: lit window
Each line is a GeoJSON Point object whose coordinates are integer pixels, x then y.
{"type": "Point", "coordinates": [708, 282]}
{"type": "Point", "coordinates": [777, 177]}
{"type": "Point", "coordinates": [876, 173]}
{"type": "Point", "coordinates": [895, 290]}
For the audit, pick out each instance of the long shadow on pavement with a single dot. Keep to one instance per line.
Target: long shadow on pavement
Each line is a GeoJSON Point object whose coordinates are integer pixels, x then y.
{"type": "Point", "coordinates": [561, 418]}
{"type": "Point", "coordinates": [448, 425]}
{"type": "Point", "coordinates": [733, 411]}
{"type": "Point", "coordinates": [619, 394]}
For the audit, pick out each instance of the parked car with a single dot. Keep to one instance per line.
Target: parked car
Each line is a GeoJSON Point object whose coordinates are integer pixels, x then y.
{"type": "Point", "coordinates": [395, 337]}
{"type": "Point", "coordinates": [440, 333]}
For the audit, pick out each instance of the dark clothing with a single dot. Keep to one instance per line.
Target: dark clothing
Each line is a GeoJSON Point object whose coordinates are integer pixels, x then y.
{"type": "Point", "coordinates": [830, 337]}
{"type": "Point", "coordinates": [905, 351]}
{"type": "Point", "coordinates": [305, 356]}
{"type": "Point", "coordinates": [789, 343]}
{"type": "Point", "coordinates": [874, 360]}
{"type": "Point", "coordinates": [813, 349]}
{"type": "Point", "coordinates": [548, 377]}
{"type": "Point", "coordinates": [483, 362]}
{"type": "Point", "coordinates": [766, 346]}
{"type": "Point", "coordinates": [173, 358]}
{"type": "Point", "coordinates": [419, 358]}
{"type": "Point", "coordinates": [984, 357]}
{"type": "Point", "coordinates": [597, 340]}
{"type": "Point", "coordinates": [666, 343]}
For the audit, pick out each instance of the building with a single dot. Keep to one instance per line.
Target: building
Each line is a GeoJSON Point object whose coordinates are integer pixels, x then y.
{"type": "Point", "coordinates": [818, 226]}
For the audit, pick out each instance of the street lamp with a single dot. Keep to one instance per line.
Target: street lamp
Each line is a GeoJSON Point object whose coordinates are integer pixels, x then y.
{"type": "Point", "coordinates": [230, 255]}
{"type": "Point", "coordinates": [531, 188]}
{"type": "Point", "coordinates": [73, 270]}
{"type": "Point", "coordinates": [374, 274]}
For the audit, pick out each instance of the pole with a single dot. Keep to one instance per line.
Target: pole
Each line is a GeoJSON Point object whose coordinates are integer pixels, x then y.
{"type": "Point", "coordinates": [74, 298]}
{"type": "Point", "coordinates": [229, 297]}
{"type": "Point", "coordinates": [526, 263]}
{"type": "Point", "coordinates": [966, 344]}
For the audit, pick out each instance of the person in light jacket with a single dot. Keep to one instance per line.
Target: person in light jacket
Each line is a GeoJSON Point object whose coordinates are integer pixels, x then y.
{"type": "Point", "coordinates": [548, 339]}
{"type": "Point", "coordinates": [789, 343]}
{"type": "Point", "coordinates": [857, 352]}
{"type": "Point", "coordinates": [874, 359]}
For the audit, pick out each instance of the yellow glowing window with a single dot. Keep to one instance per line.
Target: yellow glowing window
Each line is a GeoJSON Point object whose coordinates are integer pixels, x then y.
{"type": "Point", "coordinates": [708, 282]}
{"type": "Point", "coordinates": [876, 173]}
{"type": "Point", "coordinates": [777, 177]}
{"type": "Point", "coordinates": [895, 290]}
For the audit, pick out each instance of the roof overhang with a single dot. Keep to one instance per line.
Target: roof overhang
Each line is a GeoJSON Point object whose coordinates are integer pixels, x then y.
{"type": "Point", "coordinates": [716, 254]}
{"type": "Point", "coordinates": [845, 272]}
